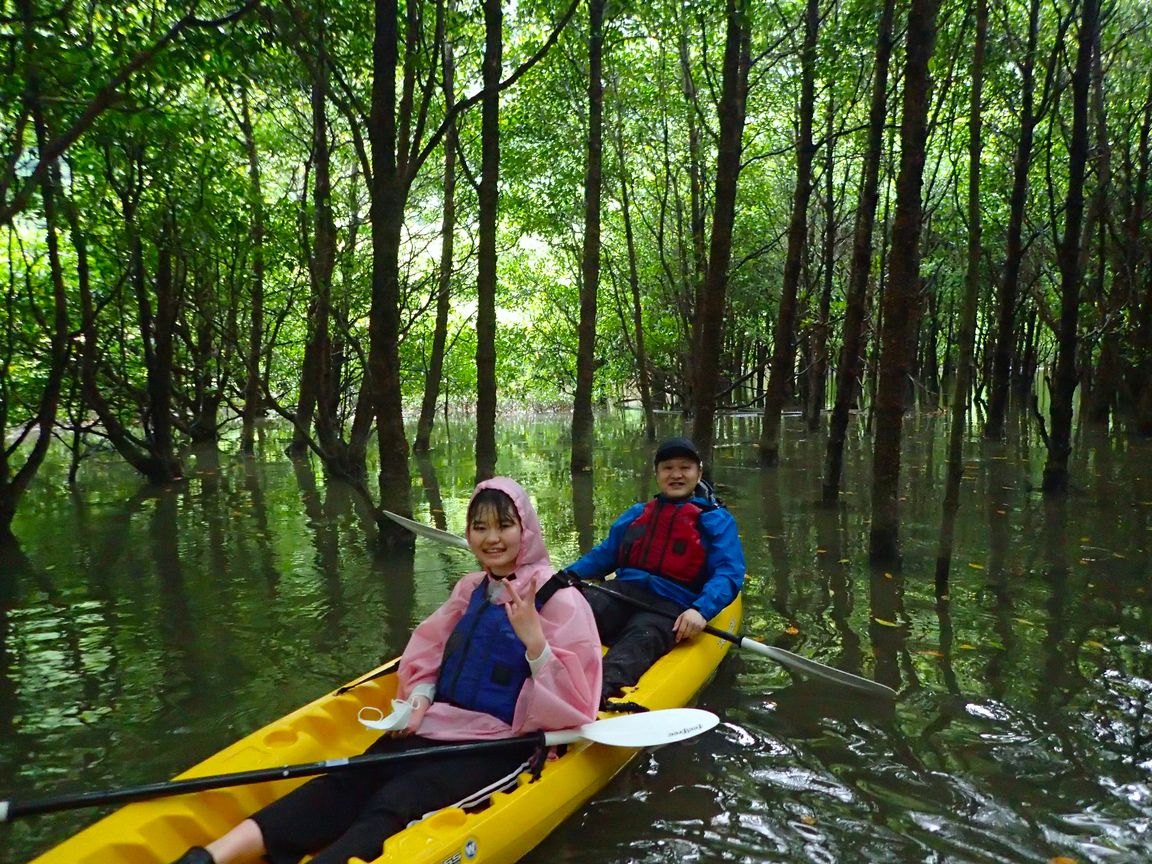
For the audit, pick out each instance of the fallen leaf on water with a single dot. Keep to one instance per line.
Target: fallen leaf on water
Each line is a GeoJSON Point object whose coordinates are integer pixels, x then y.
{"type": "Point", "coordinates": [842, 561]}
{"type": "Point", "coordinates": [792, 630]}
{"type": "Point", "coordinates": [1091, 643]}
{"type": "Point", "coordinates": [821, 551]}
{"type": "Point", "coordinates": [975, 566]}
{"type": "Point", "coordinates": [1062, 859]}
{"type": "Point", "coordinates": [808, 820]}
{"type": "Point", "coordinates": [885, 623]}
{"type": "Point", "coordinates": [887, 575]}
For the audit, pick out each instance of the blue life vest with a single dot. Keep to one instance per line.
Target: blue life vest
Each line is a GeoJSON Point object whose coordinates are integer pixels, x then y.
{"type": "Point", "coordinates": [484, 667]}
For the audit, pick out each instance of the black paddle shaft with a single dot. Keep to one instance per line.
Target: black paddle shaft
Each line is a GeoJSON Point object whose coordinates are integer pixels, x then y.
{"type": "Point", "coordinates": [10, 810]}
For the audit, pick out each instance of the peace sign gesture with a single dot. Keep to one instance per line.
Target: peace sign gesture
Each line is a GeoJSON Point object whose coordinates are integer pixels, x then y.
{"type": "Point", "coordinates": [525, 619]}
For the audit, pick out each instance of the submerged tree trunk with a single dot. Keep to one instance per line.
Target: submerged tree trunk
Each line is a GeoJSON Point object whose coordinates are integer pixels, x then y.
{"type": "Point", "coordinates": [489, 202]}
{"type": "Point", "coordinates": [783, 362]}
{"type": "Point", "coordinates": [253, 398]}
{"type": "Point", "coordinates": [1009, 286]}
{"type": "Point", "coordinates": [318, 348]}
{"type": "Point", "coordinates": [693, 276]}
{"type": "Point", "coordinates": [818, 371]}
{"type": "Point", "coordinates": [967, 336]}
{"type": "Point", "coordinates": [902, 295]}
{"type": "Point", "coordinates": [853, 344]}
{"type": "Point", "coordinates": [447, 247]}
{"type": "Point", "coordinates": [1136, 260]}
{"type": "Point", "coordinates": [13, 484]}
{"type": "Point", "coordinates": [734, 91]}
{"type": "Point", "coordinates": [1064, 381]}
{"type": "Point", "coordinates": [582, 422]}
{"type": "Point", "coordinates": [389, 195]}
{"type": "Point", "coordinates": [643, 374]}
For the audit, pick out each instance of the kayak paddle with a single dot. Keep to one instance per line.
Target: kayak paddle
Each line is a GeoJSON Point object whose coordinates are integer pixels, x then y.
{"type": "Point", "coordinates": [780, 655]}
{"type": "Point", "coordinates": [650, 729]}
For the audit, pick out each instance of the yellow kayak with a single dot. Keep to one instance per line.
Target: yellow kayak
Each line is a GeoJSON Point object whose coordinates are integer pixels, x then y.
{"type": "Point", "coordinates": [511, 824]}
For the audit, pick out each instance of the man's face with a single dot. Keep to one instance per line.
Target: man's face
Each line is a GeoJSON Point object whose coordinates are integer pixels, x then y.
{"type": "Point", "coordinates": [677, 477]}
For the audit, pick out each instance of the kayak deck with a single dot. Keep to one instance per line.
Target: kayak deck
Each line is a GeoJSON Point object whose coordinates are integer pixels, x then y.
{"type": "Point", "coordinates": [504, 830]}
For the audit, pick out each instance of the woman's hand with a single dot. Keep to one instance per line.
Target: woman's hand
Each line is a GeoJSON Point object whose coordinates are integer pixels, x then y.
{"type": "Point", "coordinates": [525, 620]}
{"type": "Point", "coordinates": [688, 624]}
{"type": "Point", "coordinates": [420, 705]}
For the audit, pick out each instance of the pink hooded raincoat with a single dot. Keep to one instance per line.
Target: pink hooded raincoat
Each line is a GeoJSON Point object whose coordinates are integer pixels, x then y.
{"type": "Point", "coordinates": [562, 693]}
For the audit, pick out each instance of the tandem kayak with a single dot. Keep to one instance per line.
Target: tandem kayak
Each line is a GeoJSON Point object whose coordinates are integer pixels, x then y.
{"type": "Point", "coordinates": [504, 830]}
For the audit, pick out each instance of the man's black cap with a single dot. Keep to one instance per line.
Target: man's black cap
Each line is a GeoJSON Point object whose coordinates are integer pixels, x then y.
{"type": "Point", "coordinates": [671, 447]}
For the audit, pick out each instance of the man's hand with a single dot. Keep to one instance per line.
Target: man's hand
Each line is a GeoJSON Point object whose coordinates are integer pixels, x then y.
{"type": "Point", "coordinates": [688, 624]}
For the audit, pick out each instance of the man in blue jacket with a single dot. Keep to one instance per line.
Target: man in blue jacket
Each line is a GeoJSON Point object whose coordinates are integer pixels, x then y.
{"type": "Point", "coordinates": [679, 552]}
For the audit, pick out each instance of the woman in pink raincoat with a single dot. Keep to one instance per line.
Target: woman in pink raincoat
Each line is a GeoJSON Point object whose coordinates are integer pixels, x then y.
{"type": "Point", "coordinates": [493, 662]}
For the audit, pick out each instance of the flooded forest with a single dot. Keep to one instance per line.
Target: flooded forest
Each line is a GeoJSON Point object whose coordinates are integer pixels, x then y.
{"type": "Point", "coordinates": [273, 269]}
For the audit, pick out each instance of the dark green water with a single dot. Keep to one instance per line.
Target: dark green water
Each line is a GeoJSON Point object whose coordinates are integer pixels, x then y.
{"type": "Point", "coordinates": [142, 629]}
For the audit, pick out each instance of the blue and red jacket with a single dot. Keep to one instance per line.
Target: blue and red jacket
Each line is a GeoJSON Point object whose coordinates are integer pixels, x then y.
{"type": "Point", "coordinates": [686, 550]}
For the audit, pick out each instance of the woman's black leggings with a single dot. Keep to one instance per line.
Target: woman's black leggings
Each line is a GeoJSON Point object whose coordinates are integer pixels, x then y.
{"type": "Point", "coordinates": [350, 814]}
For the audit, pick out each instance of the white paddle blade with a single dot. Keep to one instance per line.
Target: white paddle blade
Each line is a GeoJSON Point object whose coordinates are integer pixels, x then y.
{"type": "Point", "coordinates": [650, 728]}
{"type": "Point", "coordinates": [819, 670]}
{"type": "Point", "coordinates": [422, 530]}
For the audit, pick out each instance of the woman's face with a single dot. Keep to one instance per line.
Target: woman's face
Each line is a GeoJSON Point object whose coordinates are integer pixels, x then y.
{"type": "Point", "coordinates": [495, 541]}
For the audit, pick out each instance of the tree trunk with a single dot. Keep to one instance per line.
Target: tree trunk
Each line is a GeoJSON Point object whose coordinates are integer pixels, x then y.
{"type": "Point", "coordinates": [695, 275]}
{"type": "Point", "coordinates": [783, 362]}
{"type": "Point", "coordinates": [818, 371]}
{"type": "Point", "coordinates": [253, 401]}
{"type": "Point", "coordinates": [318, 348]}
{"type": "Point", "coordinates": [582, 421]}
{"type": "Point", "coordinates": [1063, 386]}
{"type": "Point", "coordinates": [901, 297]}
{"type": "Point", "coordinates": [1135, 260]}
{"type": "Point", "coordinates": [734, 91]}
{"type": "Point", "coordinates": [642, 371]}
{"type": "Point", "coordinates": [1009, 286]}
{"type": "Point", "coordinates": [967, 336]}
{"type": "Point", "coordinates": [14, 485]}
{"type": "Point", "coordinates": [489, 203]}
{"type": "Point", "coordinates": [389, 195]}
{"type": "Point", "coordinates": [856, 312]}
{"type": "Point", "coordinates": [158, 416]}
{"type": "Point", "coordinates": [444, 288]}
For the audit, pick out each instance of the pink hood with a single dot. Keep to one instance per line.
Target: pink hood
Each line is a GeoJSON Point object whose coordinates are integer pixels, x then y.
{"type": "Point", "coordinates": [564, 692]}
{"type": "Point", "coordinates": [533, 554]}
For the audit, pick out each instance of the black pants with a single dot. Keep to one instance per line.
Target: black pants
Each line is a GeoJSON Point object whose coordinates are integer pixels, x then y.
{"type": "Point", "coordinates": [636, 638]}
{"type": "Point", "coordinates": [352, 813]}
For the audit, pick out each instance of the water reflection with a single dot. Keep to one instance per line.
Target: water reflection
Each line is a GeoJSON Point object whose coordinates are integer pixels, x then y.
{"type": "Point", "coordinates": [141, 629]}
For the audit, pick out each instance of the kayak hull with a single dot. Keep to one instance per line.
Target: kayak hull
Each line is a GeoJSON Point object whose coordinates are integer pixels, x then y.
{"type": "Point", "coordinates": [506, 829]}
